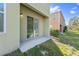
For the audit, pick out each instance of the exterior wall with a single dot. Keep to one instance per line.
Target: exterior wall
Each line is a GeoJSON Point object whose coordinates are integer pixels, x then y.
{"type": "Point", "coordinates": [29, 12]}
{"type": "Point", "coordinates": [57, 19]}
{"type": "Point", "coordinates": [42, 8]}
{"type": "Point", "coordinates": [10, 40]}
{"type": "Point", "coordinates": [62, 21]}
{"type": "Point", "coordinates": [47, 27]}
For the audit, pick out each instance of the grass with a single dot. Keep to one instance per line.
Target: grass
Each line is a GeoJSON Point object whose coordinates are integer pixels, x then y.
{"type": "Point", "coordinates": [70, 38]}
{"type": "Point", "coordinates": [67, 50]}
{"type": "Point", "coordinates": [49, 47]}
{"type": "Point", "coordinates": [66, 44]}
{"type": "Point", "coordinates": [69, 43]}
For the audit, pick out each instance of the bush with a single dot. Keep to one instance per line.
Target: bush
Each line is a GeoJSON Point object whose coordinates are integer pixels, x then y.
{"type": "Point", "coordinates": [54, 33]}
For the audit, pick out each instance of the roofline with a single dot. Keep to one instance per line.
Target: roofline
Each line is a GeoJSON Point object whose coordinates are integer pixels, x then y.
{"type": "Point", "coordinates": [34, 9]}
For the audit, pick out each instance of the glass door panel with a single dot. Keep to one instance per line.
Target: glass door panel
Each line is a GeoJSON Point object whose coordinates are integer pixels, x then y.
{"type": "Point", "coordinates": [32, 27]}
{"type": "Point", "coordinates": [36, 27]}
{"type": "Point", "coordinates": [30, 33]}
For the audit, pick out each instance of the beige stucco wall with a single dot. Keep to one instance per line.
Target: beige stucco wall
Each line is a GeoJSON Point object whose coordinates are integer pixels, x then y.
{"type": "Point", "coordinates": [42, 8]}
{"type": "Point", "coordinates": [10, 40]}
{"type": "Point", "coordinates": [28, 12]}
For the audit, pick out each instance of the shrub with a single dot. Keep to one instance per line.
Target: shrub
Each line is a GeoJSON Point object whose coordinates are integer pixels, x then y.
{"type": "Point", "coordinates": [54, 33]}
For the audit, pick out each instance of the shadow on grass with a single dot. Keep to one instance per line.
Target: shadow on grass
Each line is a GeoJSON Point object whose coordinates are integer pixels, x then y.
{"type": "Point", "coordinates": [70, 38]}
{"type": "Point", "coordinates": [48, 48]}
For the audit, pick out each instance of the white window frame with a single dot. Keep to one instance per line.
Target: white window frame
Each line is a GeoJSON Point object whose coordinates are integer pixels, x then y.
{"type": "Point", "coordinates": [4, 30]}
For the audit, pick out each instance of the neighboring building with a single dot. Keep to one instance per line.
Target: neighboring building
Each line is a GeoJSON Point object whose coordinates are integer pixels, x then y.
{"type": "Point", "coordinates": [57, 21]}
{"type": "Point", "coordinates": [23, 26]}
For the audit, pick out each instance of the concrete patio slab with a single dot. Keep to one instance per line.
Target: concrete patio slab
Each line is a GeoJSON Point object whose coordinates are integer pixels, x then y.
{"type": "Point", "coordinates": [28, 44]}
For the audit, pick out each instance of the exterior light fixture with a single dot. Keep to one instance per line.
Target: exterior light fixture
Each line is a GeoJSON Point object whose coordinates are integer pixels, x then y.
{"type": "Point", "coordinates": [21, 14]}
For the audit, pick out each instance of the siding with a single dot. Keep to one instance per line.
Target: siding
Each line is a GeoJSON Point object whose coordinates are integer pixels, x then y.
{"type": "Point", "coordinates": [28, 12]}
{"type": "Point", "coordinates": [10, 40]}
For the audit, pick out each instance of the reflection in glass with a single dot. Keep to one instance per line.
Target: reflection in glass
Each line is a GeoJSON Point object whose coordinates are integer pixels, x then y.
{"type": "Point", "coordinates": [1, 22]}
{"type": "Point", "coordinates": [1, 6]}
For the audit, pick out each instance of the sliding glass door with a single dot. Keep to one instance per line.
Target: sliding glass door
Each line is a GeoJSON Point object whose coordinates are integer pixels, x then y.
{"type": "Point", "coordinates": [36, 28]}
{"type": "Point", "coordinates": [30, 33]}
{"type": "Point", "coordinates": [32, 27]}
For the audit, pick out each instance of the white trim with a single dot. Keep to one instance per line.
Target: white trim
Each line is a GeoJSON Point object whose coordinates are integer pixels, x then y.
{"type": "Point", "coordinates": [4, 30]}
{"type": "Point", "coordinates": [1, 11]}
{"type": "Point", "coordinates": [5, 18]}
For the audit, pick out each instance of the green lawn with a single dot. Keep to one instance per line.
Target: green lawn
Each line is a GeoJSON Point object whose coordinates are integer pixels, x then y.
{"type": "Point", "coordinates": [69, 43]}
{"type": "Point", "coordinates": [49, 47]}
{"type": "Point", "coordinates": [66, 44]}
{"type": "Point", "coordinates": [70, 38]}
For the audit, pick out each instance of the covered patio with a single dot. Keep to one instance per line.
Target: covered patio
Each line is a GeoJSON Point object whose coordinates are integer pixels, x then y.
{"type": "Point", "coordinates": [34, 27]}
{"type": "Point", "coordinates": [28, 44]}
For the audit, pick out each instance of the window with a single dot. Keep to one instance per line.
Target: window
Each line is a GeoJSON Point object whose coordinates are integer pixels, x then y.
{"type": "Point", "coordinates": [2, 18]}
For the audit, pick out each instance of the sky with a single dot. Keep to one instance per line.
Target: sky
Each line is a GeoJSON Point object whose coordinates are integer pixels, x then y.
{"type": "Point", "coordinates": [1, 6]}
{"type": "Point", "coordinates": [69, 10]}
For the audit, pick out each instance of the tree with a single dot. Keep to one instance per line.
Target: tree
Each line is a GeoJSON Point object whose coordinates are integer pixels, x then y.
{"type": "Point", "coordinates": [74, 23]}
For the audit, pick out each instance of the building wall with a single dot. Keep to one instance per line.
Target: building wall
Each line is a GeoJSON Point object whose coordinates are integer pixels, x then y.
{"type": "Point", "coordinates": [10, 40]}
{"type": "Point", "coordinates": [62, 21]}
{"type": "Point", "coordinates": [57, 19]}
{"type": "Point", "coordinates": [42, 8]}
{"type": "Point", "coordinates": [29, 12]}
